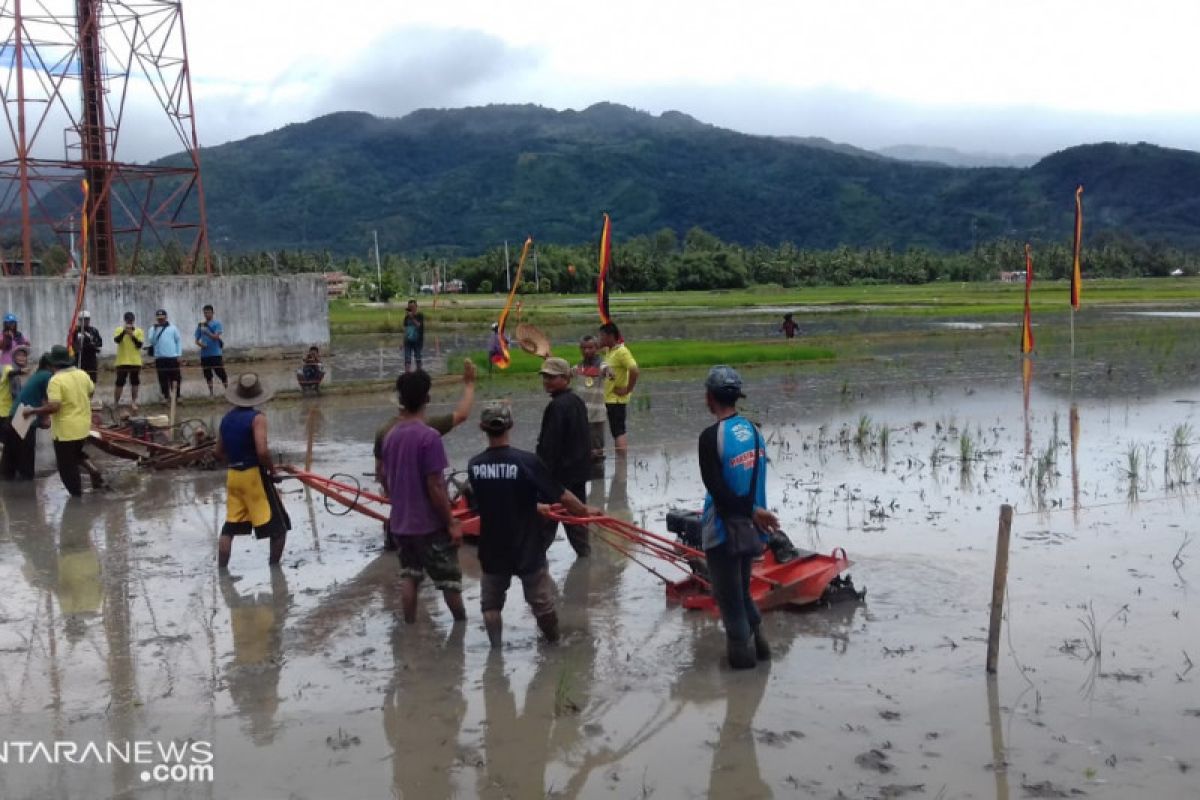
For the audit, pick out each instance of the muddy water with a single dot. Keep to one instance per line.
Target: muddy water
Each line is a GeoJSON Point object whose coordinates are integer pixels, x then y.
{"type": "Point", "coordinates": [115, 625]}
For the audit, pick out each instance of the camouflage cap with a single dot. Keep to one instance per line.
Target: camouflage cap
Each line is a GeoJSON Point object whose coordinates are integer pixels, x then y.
{"type": "Point", "coordinates": [496, 417]}
{"type": "Point", "coordinates": [724, 381]}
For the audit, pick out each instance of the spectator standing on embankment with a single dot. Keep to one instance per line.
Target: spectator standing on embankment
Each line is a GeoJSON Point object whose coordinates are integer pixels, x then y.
{"type": "Point", "coordinates": [212, 349]}
{"type": "Point", "coordinates": [129, 338]}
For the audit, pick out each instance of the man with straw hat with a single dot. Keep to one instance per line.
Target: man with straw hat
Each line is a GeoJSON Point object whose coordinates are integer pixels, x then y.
{"type": "Point", "coordinates": [251, 504]}
{"type": "Point", "coordinates": [69, 405]}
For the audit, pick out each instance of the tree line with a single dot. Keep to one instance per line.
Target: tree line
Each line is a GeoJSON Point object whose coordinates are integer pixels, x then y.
{"type": "Point", "coordinates": [698, 260]}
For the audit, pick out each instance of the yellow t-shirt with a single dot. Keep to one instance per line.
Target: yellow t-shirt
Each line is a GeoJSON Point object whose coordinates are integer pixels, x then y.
{"type": "Point", "coordinates": [6, 398]}
{"type": "Point", "coordinates": [128, 353]}
{"type": "Point", "coordinates": [620, 361]}
{"type": "Point", "coordinates": [73, 389]}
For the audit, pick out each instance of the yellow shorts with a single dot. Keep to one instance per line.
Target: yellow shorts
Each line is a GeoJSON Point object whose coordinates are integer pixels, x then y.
{"type": "Point", "coordinates": [252, 504]}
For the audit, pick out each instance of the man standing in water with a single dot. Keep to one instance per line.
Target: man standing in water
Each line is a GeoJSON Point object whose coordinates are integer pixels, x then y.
{"type": "Point", "coordinates": [619, 387]}
{"type": "Point", "coordinates": [422, 521]}
{"type": "Point", "coordinates": [251, 503]}
{"type": "Point", "coordinates": [733, 467]}
{"type": "Point", "coordinates": [507, 483]}
{"type": "Point", "coordinates": [442, 423]}
{"type": "Point", "coordinates": [593, 372]}
{"type": "Point", "coordinates": [212, 348]}
{"type": "Point", "coordinates": [69, 405]}
{"type": "Point", "coordinates": [564, 445]}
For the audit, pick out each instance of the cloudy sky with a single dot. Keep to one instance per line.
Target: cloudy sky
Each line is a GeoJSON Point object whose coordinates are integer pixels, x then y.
{"type": "Point", "coordinates": [1011, 77]}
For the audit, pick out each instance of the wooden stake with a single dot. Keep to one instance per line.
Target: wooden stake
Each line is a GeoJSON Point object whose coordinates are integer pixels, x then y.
{"type": "Point", "coordinates": [999, 581]}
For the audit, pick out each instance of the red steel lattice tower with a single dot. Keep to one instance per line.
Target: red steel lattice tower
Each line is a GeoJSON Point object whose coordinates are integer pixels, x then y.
{"type": "Point", "coordinates": [70, 70]}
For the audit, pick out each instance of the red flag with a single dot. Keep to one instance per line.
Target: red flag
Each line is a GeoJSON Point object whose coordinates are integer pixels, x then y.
{"type": "Point", "coordinates": [504, 358]}
{"type": "Point", "coordinates": [1076, 269]}
{"type": "Point", "coordinates": [1027, 323]}
{"type": "Point", "coordinates": [605, 263]}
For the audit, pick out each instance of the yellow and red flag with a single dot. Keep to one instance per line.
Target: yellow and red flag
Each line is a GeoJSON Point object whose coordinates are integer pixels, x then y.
{"type": "Point", "coordinates": [83, 269]}
{"type": "Point", "coordinates": [1076, 269]}
{"type": "Point", "coordinates": [605, 263]}
{"type": "Point", "coordinates": [1027, 322]}
{"type": "Point", "coordinates": [503, 358]}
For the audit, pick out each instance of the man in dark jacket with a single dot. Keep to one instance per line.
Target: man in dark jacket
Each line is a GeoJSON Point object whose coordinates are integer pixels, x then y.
{"type": "Point", "coordinates": [565, 445]}
{"type": "Point", "coordinates": [87, 346]}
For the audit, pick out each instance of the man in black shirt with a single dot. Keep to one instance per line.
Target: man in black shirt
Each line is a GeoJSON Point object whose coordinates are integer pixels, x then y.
{"type": "Point", "coordinates": [565, 445]}
{"type": "Point", "coordinates": [507, 483]}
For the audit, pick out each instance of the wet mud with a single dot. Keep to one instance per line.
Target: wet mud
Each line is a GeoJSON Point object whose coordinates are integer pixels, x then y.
{"type": "Point", "coordinates": [116, 625]}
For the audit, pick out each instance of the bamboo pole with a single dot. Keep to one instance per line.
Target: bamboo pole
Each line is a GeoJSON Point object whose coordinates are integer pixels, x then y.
{"type": "Point", "coordinates": [999, 581]}
{"type": "Point", "coordinates": [312, 430]}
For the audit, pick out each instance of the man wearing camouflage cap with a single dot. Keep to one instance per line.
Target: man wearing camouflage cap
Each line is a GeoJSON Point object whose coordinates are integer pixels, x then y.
{"type": "Point", "coordinates": [507, 484]}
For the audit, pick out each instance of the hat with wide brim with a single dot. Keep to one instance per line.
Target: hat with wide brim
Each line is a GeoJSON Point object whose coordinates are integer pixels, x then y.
{"type": "Point", "coordinates": [533, 341]}
{"type": "Point", "coordinates": [248, 391]}
{"type": "Point", "coordinates": [60, 356]}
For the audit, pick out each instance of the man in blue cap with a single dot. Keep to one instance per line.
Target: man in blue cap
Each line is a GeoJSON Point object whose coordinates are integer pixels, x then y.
{"type": "Point", "coordinates": [733, 468]}
{"type": "Point", "coordinates": [10, 339]}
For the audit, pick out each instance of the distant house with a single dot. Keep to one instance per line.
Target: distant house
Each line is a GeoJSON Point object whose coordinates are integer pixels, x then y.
{"type": "Point", "coordinates": [1176, 273]}
{"type": "Point", "coordinates": [336, 283]}
{"type": "Point", "coordinates": [1013, 277]}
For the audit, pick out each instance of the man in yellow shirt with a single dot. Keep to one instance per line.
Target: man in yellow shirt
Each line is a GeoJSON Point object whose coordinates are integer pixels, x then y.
{"type": "Point", "coordinates": [69, 404]}
{"type": "Point", "coordinates": [129, 340]}
{"type": "Point", "coordinates": [619, 385]}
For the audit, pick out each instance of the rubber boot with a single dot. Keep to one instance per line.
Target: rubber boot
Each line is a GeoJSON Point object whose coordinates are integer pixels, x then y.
{"type": "Point", "coordinates": [741, 653]}
{"type": "Point", "coordinates": [549, 625]}
{"type": "Point", "coordinates": [762, 649]}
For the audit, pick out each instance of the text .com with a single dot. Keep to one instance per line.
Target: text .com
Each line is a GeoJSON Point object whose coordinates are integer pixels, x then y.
{"type": "Point", "coordinates": [187, 761]}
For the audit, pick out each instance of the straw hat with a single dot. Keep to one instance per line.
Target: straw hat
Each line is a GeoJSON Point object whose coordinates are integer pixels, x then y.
{"type": "Point", "coordinates": [248, 391]}
{"type": "Point", "coordinates": [533, 341]}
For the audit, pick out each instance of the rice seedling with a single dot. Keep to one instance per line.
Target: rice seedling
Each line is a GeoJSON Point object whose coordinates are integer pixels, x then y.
{"type": "Point", "coordinates": [966, 448]}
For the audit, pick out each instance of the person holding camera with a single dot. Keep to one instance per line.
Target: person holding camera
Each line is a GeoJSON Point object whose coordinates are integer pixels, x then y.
{"type": "Point", "coordinates": [212, 347]}
{"type": "Point", "coordinates": [166, 347]}
{"type": "Point", "coordinates": [129, 338]}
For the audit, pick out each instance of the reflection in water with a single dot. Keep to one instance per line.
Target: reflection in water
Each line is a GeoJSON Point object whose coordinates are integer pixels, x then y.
{"type": "Point", "coordinates": [518, 747]}
{"type": "Point", "coordinates": [257, 621]}
{"type": "Point", "coordinates": [999, 754]}
{"type": "Point", "coordinates": [424, 707]}
{"type": "Point", "coordinates": [1074, 425]}
{"type": "Point", "coordinates": [1026, 391]}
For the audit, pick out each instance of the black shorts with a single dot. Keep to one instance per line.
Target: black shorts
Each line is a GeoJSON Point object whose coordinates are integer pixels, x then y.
{"type": "Point", "coordinates": [616, 418]}
{"type": "Point", "coordinates": [130, 373]}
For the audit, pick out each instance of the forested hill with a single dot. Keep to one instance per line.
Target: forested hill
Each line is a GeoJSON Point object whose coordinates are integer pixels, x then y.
{"type": "Point", "coordinates": [462, 180]}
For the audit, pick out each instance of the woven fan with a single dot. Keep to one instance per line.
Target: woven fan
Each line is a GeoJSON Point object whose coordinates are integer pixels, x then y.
{"type": "Point", "coordinates": [533, 341]}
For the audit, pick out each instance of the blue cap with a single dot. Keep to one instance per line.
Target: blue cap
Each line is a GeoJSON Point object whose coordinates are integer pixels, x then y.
{"type": "Point", "coordinates": [10, 317]}
{"type": "Point", "coordinates": [724, 381]}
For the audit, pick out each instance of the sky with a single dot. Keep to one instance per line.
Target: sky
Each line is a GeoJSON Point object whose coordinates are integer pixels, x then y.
{"type": "Point", "coordinates": [1012, 77]}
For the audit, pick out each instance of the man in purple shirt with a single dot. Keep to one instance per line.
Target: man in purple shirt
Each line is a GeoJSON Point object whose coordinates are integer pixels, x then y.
{"type": "Point", "coordinates": [422, 523]}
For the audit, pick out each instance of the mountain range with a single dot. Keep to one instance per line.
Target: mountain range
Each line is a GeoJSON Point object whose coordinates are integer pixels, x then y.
{"type": "Point", "coordinates": [457, 181]}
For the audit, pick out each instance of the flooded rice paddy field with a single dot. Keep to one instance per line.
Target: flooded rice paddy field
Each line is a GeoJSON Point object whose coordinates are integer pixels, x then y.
{"type": "Point", "coordinates": [115, 624]}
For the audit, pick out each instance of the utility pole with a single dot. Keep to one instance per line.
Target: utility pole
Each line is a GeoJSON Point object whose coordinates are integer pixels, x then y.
{"type": "Point", "coordinates": [507, 274]}
{"type": "Point", "coordinates": [378, 269]}
{"type": "Point", "coordinates": [536, 281]}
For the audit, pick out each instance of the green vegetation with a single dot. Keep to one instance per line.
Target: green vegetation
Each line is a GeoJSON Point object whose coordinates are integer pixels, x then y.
{"type": "Point", "coordinates": [458, 181]}
{"type": "Point", "coordinates": [682, 353]}
{"type": "Point", "coordinates": [936, 300]}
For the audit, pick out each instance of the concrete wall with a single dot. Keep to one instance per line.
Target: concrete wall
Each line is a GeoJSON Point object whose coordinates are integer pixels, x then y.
{"type": "Point", "coordinates": [260, 312]}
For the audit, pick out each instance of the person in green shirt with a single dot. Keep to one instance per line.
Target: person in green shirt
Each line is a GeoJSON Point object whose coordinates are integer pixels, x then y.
{"type": "Point", "coordinates": [619, 386]}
